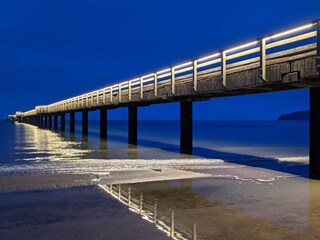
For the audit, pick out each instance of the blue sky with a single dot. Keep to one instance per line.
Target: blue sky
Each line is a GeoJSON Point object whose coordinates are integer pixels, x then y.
{"type": "Point", "coordinates": [51, 50]}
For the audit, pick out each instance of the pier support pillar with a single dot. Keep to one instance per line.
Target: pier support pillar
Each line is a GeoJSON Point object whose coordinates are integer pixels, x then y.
{"type": "Point", "coordinates": [46, 121]}
{"type": "Point", "coordinates": [314, 144]}
{"type": "Point", "coordinates": [186, 127]}
{"type": "Point", "coordinates": [55, 121]}
{"type": "Point", "coordinates": [103, 123]}
{"type": "Point", "coordinates": [63, 122]}
{"type": "Point", "coordinates": [72, 121]}
{"type": "Point", "coordinates": [50, 121]}
{"type": "Point", "coordinates": [133, 124]}
{"type": "Point", "coordinates": [40, 119]}
{"type": "Point", "coordinates": [85, 122]}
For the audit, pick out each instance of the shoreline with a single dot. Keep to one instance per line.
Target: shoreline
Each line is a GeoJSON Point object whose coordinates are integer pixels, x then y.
{"type": "Point", "coordinates": [59, 181]}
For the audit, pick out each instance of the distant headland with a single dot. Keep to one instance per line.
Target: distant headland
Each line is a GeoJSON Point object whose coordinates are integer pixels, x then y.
{"type": "Point", "coordinates": [296, 116]}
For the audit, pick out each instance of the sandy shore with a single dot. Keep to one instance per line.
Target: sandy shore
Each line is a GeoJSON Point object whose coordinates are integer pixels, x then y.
{"type": "Point", "coordinates": [71, 206]}
{"type": "Point", "coordinates": [74, 213]}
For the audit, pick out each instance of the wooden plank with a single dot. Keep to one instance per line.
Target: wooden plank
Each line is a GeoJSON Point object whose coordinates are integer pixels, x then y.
{"type": "Point", "coordinates": [293, 51]}
{"type": "Point", "coordinates": [244, 68]}
{"type": "Point", "coordinates": [209, 63]}
{"type": "Point", "coordinates": [164, 75]}
{"type": "Point", "coordinates": [243, 53]}
{"type": "Point", "coordinates": [291, 58]}
{"type": "Point", "coordinates": [211, 70]}
{"type": "Point", "coordinates": [243, 63]}
{"type": "Point", "coordinates": [183, 70]}
{"type": "Point", "coordinates": [291, 40]}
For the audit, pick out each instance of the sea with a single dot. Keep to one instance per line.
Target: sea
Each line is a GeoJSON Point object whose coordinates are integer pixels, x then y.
{"type": "Point", "coordinates": [277, 145]}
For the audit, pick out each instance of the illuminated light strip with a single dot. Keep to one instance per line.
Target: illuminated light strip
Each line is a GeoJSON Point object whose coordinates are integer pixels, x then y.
{"type": "Point", "coordinates": [133, 80]}
{"type": "Point", "coordinates": [164, 70]}
{"type": "Point", "coordinates": [290, 31]}
{"type": "Point", "coordinates": [208, 57]}
{"type": "Point", "coordinates": [149, 75]}
{"type": "Point", "coordinates": [241, 46]}
{"type": "Point", "coordinates": [183, 65]}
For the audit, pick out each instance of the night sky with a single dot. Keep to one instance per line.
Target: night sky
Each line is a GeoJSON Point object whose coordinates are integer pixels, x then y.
{"type": "Point", "coordinates": [52, 50]}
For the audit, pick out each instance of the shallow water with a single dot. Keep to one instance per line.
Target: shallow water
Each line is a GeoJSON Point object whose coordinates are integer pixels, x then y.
{"type": "Point", "coordinates": [276, 145]}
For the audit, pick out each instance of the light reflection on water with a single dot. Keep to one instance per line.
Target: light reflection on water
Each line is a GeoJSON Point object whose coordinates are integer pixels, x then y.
{"type": "Point", "coordinates": [39, 150]}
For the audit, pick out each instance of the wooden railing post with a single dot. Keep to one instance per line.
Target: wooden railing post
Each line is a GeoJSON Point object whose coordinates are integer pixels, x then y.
{"type": "Point", "coordinates": [129, 89]}
{"type": "Point", "coordinates": [111, 95]}
{"type": "Point", "coordinates": [111, 188]}
{"type": "Point", "coordinates": [97, 98]}
{"type": "Point", "coordinates": [263, 54]}
{"type": "Point", "coordinates": [224, 68]}
{"type": "Point", "coordinates": [173, 85]}
{"type": "Point", "coordinates": [119, 91]}
{"type": "Point", "coordinates": [172, 225]}
{"type": "Point", "coordinates": [155, 84]}
{"type": "Point", "coordinates": [195, 75]}
{"type": "Point", "coordinates": [141, 87]}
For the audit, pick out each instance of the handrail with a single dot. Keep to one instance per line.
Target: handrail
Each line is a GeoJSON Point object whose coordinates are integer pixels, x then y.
{"type": "Point", "coordinates": [254, 53]}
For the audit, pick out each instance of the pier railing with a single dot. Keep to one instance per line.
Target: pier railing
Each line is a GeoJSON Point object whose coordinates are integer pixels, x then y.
{"type": "Point", "coordinates": [275, 48]}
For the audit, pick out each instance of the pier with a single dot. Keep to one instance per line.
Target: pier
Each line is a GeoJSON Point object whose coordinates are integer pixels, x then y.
{"type": "Point", "coordinates": [285, 60]}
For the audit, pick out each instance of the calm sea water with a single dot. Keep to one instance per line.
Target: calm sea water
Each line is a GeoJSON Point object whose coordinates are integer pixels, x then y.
{"type": "Point", "coordinates": [272, 144]}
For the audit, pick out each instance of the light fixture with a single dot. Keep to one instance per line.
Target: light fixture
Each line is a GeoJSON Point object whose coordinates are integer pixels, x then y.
{"type": "Point", "coordinates": [183, 65]}
{"type": "Point", "coordinates": [208, 57]}
{"type": "Point", "coordinates": [290, 31]}
{"type": "Point", "coordinates": [241, 46]}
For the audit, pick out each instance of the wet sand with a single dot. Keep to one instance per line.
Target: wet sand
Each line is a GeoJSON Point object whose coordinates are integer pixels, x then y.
{"type": "Point", "coordinates": [232, 203]}
{"type": "Point", "coordinates": [71, 206]}
{"type": "Point", "coordinates": [74, 213]}
{"type": "Point", "coordinates": [54, 181]}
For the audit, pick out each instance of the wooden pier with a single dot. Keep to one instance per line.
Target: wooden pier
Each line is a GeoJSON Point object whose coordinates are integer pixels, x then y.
{"type": "Point", "coordinates": [281, 61]}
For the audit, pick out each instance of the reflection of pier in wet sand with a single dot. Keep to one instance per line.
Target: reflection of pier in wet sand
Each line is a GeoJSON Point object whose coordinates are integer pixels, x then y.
{"type": "Point", "coordinates": [176, 208]}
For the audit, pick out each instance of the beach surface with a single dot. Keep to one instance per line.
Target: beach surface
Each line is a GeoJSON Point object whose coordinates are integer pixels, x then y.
{"type": "Point", "coordinates": [73, 213]}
